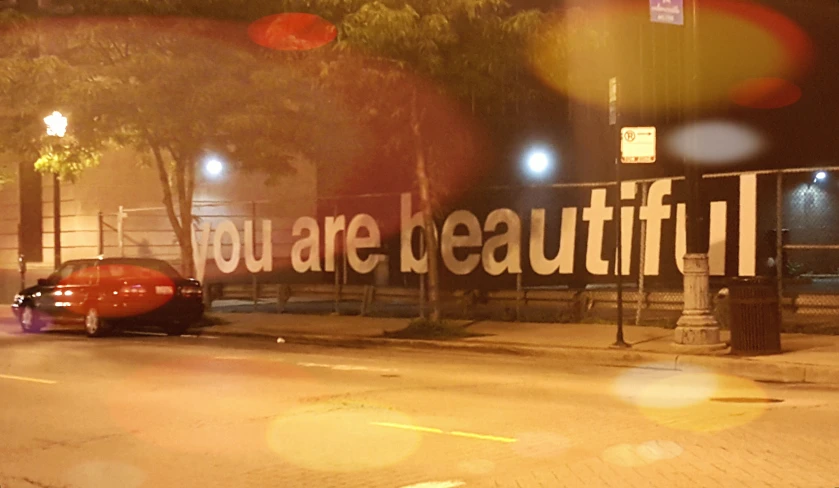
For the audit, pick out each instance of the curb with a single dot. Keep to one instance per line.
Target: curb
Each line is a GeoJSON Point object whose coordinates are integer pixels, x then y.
{"type": "Point", "coordinates": [777, 372]}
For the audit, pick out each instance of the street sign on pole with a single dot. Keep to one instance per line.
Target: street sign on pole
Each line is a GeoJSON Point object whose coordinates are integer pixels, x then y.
{"type": "Point", "coordinates": [638, 145]}
{"type": "Point", "coordinates": [667, 12]}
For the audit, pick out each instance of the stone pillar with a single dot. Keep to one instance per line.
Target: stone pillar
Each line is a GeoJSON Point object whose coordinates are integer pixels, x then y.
{"type": "Point", "coordinates": [697, 326]}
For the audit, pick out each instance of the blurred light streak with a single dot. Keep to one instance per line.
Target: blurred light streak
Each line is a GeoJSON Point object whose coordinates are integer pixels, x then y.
{"type": "Point", "coordinates": [292, 32]}
{"type": "Point", "coordinates": [715, 142]}
{"type": "Point", "coordinates": [766, 93]}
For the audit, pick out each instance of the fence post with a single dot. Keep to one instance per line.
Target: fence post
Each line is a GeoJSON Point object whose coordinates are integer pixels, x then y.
{"type": "Point", "coordinates": [337, 291]}
{"type": "Point", "coordinates": [422, 290]}
{"type": "Point", "coordinates": [121, 231]}
{"type": "Point", "coordinates": [642, 255]}
{"type": "Point", "coordinates": [101, 229]}
{"type": "Point", "coordinates": [254, 279]}
{"type": "Point", "coordinates": [779, 240]}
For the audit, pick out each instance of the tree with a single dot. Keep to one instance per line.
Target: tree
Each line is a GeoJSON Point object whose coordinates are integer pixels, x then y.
{"type": "Point", "coordinates": [468, 49]}
{"type": "Point", "coordinates": [171, 90]}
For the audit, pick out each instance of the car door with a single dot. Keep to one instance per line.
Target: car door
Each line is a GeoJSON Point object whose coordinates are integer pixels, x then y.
{"type": "Point", "coordinates": [48, 300]}
{"type": "Point", "coordinates": [74, 290]}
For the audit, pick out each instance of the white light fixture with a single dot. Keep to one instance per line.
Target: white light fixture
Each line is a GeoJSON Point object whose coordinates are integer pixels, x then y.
{"type": "Point", "coordinates": [821, 176]}
{"type": "Point", "coordinates": [538, 162]}
{"type": "Point", "coordinates": [56, 124]}
{"type": "Point", "coordinates": [214, 167]}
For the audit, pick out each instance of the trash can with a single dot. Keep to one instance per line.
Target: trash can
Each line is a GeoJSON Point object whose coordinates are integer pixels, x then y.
{"type": "Point", "coordinates": [754, 316]}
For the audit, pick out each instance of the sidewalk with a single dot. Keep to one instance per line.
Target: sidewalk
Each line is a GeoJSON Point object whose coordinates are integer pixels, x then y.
{"type": "Point", "coordinates": [805, 358]}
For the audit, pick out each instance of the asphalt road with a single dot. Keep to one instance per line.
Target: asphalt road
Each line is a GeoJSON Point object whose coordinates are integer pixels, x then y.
{"type": "Point", "coordinates": [150, 411]}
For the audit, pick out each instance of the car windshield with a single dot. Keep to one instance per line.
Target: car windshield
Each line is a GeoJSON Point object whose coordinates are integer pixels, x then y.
{"type": "Point", "coordinates": [118, 268]}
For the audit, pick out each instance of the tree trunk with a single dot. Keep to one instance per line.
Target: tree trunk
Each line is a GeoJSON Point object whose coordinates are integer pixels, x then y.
{"type": "Point", "coordinates": [183, 226]}
{"type": "Point", "coordinates": [429, 231]}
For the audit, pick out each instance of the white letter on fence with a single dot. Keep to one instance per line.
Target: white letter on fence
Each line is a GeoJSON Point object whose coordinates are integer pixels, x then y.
{"type": "Point", "coordinates": [654, 213]}
{"type": "Point", "coordinates": [716, 238]}
{"type": "Point", "coordinates": [408, 262]}
{"type": "Point", "coordinates": [748, 225]}
{"type": "Point", "coordinates": [311, 243]}
{"type": "Point", "coordinates": [227, 266]}
{"type": "Point", "coordinates": [449, 240]}
{"type": "Point", "coordinates": [564, 259]}
{"type": "Point", "coordinates": [597, 215]}
{"type": "Point", "coordinates": [628, 191]}
{"type": "Point", "coordinates": [355, 242]}
{"type": "Point", "coordinates": [511, 238]}
{"type": "Point", "coordinates": [332, 227]}
{"type": "Point", "coordinates": [266, 261]}
{"type": "Point", "coordinates": [199, 250]}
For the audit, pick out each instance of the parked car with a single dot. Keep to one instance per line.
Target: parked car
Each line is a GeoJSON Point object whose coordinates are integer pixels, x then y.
{"type": "Point", "coordinates": [109, 293]}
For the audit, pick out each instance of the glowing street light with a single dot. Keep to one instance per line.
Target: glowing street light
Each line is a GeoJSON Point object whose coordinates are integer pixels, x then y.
{"type": "Point", "coordinates": [56, 124]}
{"type": "Point", "coordinates": [538, 162]}
{"type": "Point", "coordinates": [57, 127]}
{"type": "Point", "coordinates": [214, 167]}
{"type": "Point", "coordinates": [821, 176]}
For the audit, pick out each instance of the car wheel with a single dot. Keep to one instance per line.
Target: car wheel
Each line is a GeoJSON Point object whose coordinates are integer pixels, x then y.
{"type": "Point", "coordinates": [29, 322]}
{"type": "Point", "coordinates": [176, 329]}
{"type": "Point", "coordinates": [94, 324]}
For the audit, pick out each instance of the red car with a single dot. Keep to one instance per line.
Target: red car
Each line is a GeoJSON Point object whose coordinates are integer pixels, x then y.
{"type": "Point", "coordinates": [104, 294]}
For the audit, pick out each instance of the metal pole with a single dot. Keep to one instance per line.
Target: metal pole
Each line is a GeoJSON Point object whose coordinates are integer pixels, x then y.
{"type": "Point", "coordinates": [615, 131]}
{"type": "Point", "coordinates": [337, 288]}
{"type": "Point", "coordinates": [422, 290]}
{"type": "Point", "coordinates": [121, 231]}
{"type": "Point", "coordinates": [519, 296]}
{"type": "Point", "coordinates": [642, 258]}
{"type": "Point", "coordinates": [779, 239]}
{"type": "Point", "coordinates": [56, 218]}
{"type": "Point", "coordinates": [254, 279]}
{"type": "Point", "coordinates": [101, 228]}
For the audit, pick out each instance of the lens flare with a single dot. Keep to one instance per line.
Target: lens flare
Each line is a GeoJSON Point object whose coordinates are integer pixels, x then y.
{"type": "Point", "coordinates": [766, 93]}
{"type": "Point", "coordinates": [292, 32]}
{"type": "Point", "coordinates": [715, 142]}
{"type": "Point", "coordinates": [690, 400]}
{"type": "Point", "coordinates": [576, 53]}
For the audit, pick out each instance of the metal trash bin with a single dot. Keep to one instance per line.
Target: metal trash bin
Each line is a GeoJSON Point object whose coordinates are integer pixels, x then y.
{"type": "Point", "coordinates": [754, 316]}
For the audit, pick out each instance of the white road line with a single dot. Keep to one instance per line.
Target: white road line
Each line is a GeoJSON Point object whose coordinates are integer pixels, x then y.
{"type": "Point", "coordinates": [25, 378]}
{"type": "Point", "coordinates": [437, 484]}
{"type": "Point", "coordinates": [347, 367]}
{"type": "Point", "coordinates": [138, 332]}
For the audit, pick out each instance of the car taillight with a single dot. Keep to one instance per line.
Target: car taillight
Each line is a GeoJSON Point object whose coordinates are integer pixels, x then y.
{"type": "Point", "coordinates": [191, 291]}
{"type": "Point", "coordinates": [133, 291]}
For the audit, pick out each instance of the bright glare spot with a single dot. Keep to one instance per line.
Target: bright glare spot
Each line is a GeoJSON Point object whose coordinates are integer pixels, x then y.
{"type": "Point", "coordinates": [56, 124]}
{"type": "Point", "coordinates": [715, 142]}
{"type": "Point", "coordinates": [539, 161]}
{"type": "Point", "coordinates": [214, 167]}
{"type": "Point", "coordinates": [101, 473]}
{"type": "Point", "coordinates": [659, 450]}
{"type": "Point", "coordinates": [821, 175]}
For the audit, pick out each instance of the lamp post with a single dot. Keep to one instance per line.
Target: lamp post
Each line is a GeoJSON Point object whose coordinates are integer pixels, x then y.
{"type": "Point", "coordinates": [697, 327]}
{"type": "Point", "coordinates": [57, 127]}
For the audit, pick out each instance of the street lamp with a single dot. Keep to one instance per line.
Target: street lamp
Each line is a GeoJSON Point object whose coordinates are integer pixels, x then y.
{"type": "Point", "coordinates": [538, 162]}
{"type": "Point", "coordinates": [57, 127]}
{"type": "Point", "coordinates": [213, 167]}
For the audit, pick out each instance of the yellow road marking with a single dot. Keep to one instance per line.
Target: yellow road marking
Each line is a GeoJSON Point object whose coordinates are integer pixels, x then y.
{"type": "Point", "coordinates": [455, 433]}
{"type": "Point", "coordinates": [483, 437]}
{"type": "Point", "coordinates": [409, 427]}
{"type": "Point", "coordinates": [24, 378]}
